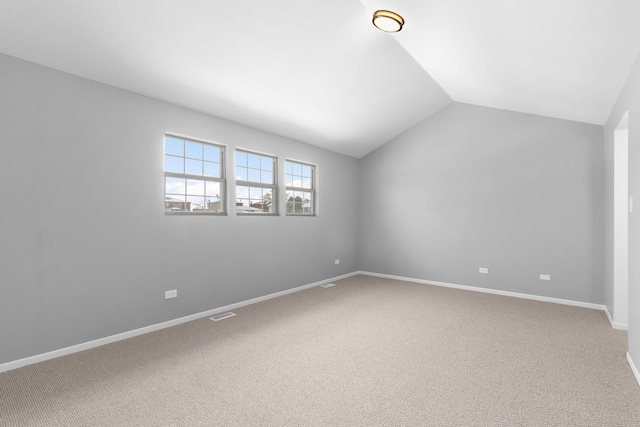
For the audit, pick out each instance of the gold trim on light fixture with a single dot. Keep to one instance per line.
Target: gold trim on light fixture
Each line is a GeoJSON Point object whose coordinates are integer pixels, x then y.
{"type": "Point", "coordinates": [387, 21]}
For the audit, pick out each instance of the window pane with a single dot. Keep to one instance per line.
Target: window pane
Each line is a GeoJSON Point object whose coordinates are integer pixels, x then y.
{"type": "Point", "coordinates": [195, 187]}
{"type": "Point", "coordinates": [174, 204]}
{"type": "Point", "coordinates": [173, 164]}
{"type": "Point", "coordinates": [175, 185]}
{"type": "Point", "coordinates": [256, 193]}
{"type": "Point", "coordinates": [174, 146]}
{"type": "Point", "coordinates": [195, 204]}
{"type": "Point", "coordinates": [254, 161]}
{"type": "Point", "coordinates": [254, 200]}
{"type": "Point", "coordinates": [299, 175]}
{"type": "Point", "coordinates": [241, 174]}
{"type": "Point", "coordinates": [212, 153]}
{"type": "Point", "coordinates": [212, 189]}
{"type": "Point", "coordinates": [241, 159]}
{"type": "Point", "coordinates": [214, 204]}
{"type": "Point", "coordinates": [261, 200]}
{"type": "Point", "coordinates": [242, 192]}
{"type": "Point", "coordinates": [266, 177]}
{"type": "Point", "coordinates": [212, 169]}
{"type": "Point", "coordinates": [193, 150]}
{"type": "Point", "coordinates": [260, 170]}
{"type": "Point", "coordinates": [242, 199]}
{"type": "Point", "coordinates": [254, 175]}
{"type": "Point", "coordinates": [299, 202]}
{"type": "Point", "coordinates": [266, 163]}
{"type": "Point", "coordinates": [193, 167]}
{"type": "Point", "coordinates": [184, 157]}
{"type": "Point", "coordinates": [268, 199]}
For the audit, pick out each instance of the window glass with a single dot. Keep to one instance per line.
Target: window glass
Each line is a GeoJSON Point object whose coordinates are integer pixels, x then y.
{"type": "Point", "coordinates": [194, 176]}
{"type": "Point", "coordinates": [299, 182]}
{"type": "Point", "coordinates": [255, 183]}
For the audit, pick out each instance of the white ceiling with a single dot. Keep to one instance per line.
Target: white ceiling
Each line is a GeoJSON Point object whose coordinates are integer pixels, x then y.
{"type": "Point", "coordinates": [559, 58]}
{"type": "Point", "coordinates": [319, 72]}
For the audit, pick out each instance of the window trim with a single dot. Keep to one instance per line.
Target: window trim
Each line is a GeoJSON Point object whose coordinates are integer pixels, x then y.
{"type": "Point", "coordinates": [222, 180]}
{"type": "Point", "coordinates": [254, 184]}
{"type": "Point", "coordinates": [312, 190]}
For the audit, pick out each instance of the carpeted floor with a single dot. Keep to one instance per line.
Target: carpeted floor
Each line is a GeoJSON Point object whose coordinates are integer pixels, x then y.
{"type": "Point", "coordinates": [367, 352]}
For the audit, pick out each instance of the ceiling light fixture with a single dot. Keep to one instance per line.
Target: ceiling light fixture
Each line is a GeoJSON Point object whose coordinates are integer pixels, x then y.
{"type": "Point", "coordinates": [387, 21]}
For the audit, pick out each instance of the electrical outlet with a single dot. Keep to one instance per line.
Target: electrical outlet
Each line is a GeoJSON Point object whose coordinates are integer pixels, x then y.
{"type": "Point", "coordinates": [337, 261]}
{"type": "Point", "coordinates": [171, 294]}
{"type": "Point", "coordinates": [483, 270]}
{"type": "Point", "coordinates": [545, 277]}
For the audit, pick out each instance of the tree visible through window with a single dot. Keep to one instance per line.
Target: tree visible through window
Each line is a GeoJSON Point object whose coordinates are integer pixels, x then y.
{"type": "Point", "coordinates": [193, 176]}
{"type": "Point", "coordinates": [255, 183]}
{"type": "Point", "coordinates": [300, 186]}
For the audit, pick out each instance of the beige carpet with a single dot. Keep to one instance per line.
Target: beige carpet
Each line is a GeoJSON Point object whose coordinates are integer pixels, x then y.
{"type": "Point", "coordinates": [367, 352]}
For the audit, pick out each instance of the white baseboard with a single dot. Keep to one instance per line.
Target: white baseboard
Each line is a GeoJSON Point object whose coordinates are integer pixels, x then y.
{"type": "Point", "coordinates": [633, 368]}
{"type": "Point", "coordinates": [489, 291]}
{"type": "Point", "coordinates": [145, 330]}
{"type": "Point", "coordinates": [614, 325]}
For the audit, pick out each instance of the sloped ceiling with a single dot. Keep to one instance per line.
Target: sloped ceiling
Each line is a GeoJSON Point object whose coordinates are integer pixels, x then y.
{"type": "Point", "coordinates": [559, 58]}
{"type": "Point", "coordinates": [319, 72]}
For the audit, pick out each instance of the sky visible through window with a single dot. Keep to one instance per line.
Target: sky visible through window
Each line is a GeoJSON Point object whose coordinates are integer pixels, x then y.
{"type": "Point", "coordinates": [194, 180]}
{"type": "Point", "coordinates": [193, 171]}
{"type": "Point", "coordinates": [298, 175]}
{"type": "Point", "coordinates": [255, 174]}
{"type": "Point", "coordinates": [298, 178]}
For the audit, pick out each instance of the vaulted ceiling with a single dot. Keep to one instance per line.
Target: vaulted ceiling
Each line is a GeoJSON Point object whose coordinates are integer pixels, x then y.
{"type": "Point", "coordinates": [319, 72]}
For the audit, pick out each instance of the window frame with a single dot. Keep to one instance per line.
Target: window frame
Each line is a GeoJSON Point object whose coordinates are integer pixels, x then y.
{"type": "Point", "coordinates": [311, 190]}
{"type": "Point", "coordinates": [222, 180]}
{"type": "Point", "coordinates": [255, 184]}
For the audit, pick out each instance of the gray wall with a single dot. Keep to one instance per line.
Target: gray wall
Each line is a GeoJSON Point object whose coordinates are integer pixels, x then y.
{"type": "Point", "coordinates": [87, 251]}
{"type": "Point", "coordinates": [478, 187]}
{"type": "Point", "coordinates": [629, 100]}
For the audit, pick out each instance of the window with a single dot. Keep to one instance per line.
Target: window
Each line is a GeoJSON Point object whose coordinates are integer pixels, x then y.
{"type": "Point", "coordinates": [255, 183]}
{"type": "Point", "coordinates": [193, 176]}
{"type": "Point", "coordinates": [300, 184]}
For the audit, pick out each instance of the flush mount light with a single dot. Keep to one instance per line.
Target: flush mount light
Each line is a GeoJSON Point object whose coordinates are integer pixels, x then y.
{"type": "Point", "coordinates": [387, 21]}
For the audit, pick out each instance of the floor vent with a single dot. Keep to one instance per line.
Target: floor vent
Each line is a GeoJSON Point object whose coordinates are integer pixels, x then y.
{"type": "Point", "coordinates": [327, 285]}
{"type": "Point", "coordinates": [222, 316]}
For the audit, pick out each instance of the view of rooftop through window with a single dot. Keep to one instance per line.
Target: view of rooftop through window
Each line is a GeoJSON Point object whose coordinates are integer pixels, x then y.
{"type": "Point", "coordinates": [194, 176]}
{"type": "Point", "coordinates": [194, 180]}
{"type": "Point", "coordinates": [299, 181]}
{"type": "Point", "coordinates": [255, 183]}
